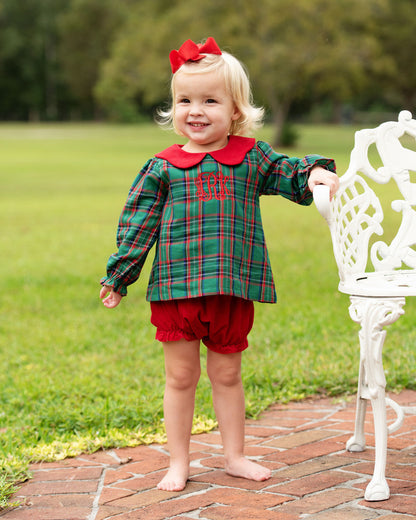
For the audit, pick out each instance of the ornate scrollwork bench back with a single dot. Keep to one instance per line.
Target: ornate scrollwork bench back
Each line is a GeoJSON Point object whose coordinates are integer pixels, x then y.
{"type": "Point", "coordinates": [376, 274]}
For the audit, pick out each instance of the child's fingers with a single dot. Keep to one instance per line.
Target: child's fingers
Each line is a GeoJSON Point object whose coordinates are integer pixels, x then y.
{"type": "Point", "coordinates": [104, 291]}
{"type": "Point", "coordinates": [109, 303]}
{"type": "Point", "coordinates": [112, 300]}
{"type": "Point", "coordinates": [322, 176]}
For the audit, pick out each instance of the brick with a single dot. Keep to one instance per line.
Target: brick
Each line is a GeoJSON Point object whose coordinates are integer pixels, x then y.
{"type": "Point", "coordinates": [396, 504]}
{"type": "Point", "coordinates": [313, 466]}
{"type": "Point", "coordinates": [345, 426]}
{"type": "Point", "coordinates": [116, 475]}
{"type": "Point", "coordinates": [392, 471]}
{"type": "Point", "coordinates": [66, 463]}
{"type": "Point", "coordinates": [235, 497]}
{"type": "Point", "coordinates": [58, 501]}
{"type": "Point", "coordinates": [99, 457]}
{"type": "Point", "coordinates": [109, 495]}
{"type": "Point", "coordinates": [147, 465]}
{"type": "Point", "coordinates": [213, 462]}
{"type": "Point", "coordinates": [170, 508]}
{"type": "Point", "coordinates": [321, 501]}
{"type": "Point", "coordinates": [308, 413]}
{"type": "Point", "coordinates": [347, 414]}
{"type": "Point", "coordinates": [67, 513]}
{"type": "Point", "coordinates": [409, 425]}
{"type": "Point", "coordinates": [244, 513]}
{"type": "Point", "coordinates": [347, 513]}
{"type": "Point", "coordinates": [321, 425]}
{"type": "Point", "coordinates": [367, 454]}
{"type": "Point", "coordinates": [307, 452]}
{"type": "Point", "coordinates": [343, 438]}
{"type": "Point", "coordinates": [197, 447]}
{"type": "Point", "coordinates": [195, 456]}
{"type": "Point", "coordinates": [312, 484]}
{"type": "Point", "coordinates": [402, 487]}
{"type": "Point", "coordinates": [83, 473]}
{"type": "Point", "coordinates": [51, 488]}
{"type": "Point", "coordinates": [395, 517]}
{"type": "Point", "coordinates": [154, 496]}
{"type": "Point", "coordinates": [258, 451]}
{"type": "Point", "coordinates": [107, 512]}
{"type": "Point", "coordinates": [135, 454]}
{"type": "Point", "coordinates": [299, 439]}
{"type": "Point", "coordinates": [262, 431]}
{"type": "Point", "coordinates": [213, 438]}
{"type": "Point", "coordinates": [282, 420]}
{"type": "Point", "coordinates": [152, 479]}
{"type": "Point", "coordinates": [138, 484]}
{"type": "Point", "coordinates": [405, 397]}
{"type": "Point", "coordinates": [402, 442]}
{"type": "Point", "coordinates": [220, 478]}
{"type": "Point", "coordinates": [405, 457]}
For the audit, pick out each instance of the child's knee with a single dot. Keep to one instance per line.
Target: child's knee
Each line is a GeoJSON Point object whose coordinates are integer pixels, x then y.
{"type": "Point", "coordinates": [225, 375]}
{"type": "Point", "coordinates": [183, 378]}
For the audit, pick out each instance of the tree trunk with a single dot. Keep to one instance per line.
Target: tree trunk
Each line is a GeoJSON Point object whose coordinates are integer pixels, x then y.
{"type": "Point", "coordinates": [279, 115]}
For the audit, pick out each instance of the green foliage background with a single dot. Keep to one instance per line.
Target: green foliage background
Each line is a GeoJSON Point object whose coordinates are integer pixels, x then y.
{"type": "Point", "coordinates": [95, 59]}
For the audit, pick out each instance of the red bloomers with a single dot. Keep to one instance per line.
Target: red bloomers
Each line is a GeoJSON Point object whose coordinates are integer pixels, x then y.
{"type": "Point", "coordinates": [222, 322]}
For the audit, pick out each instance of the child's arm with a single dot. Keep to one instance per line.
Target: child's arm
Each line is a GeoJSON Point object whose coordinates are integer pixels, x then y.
{"type": "Point", "coordinates": [112, 300]}
{"type": "Point", "coordinates": [319, 175]}
{"type": "Point", "coordinates": [138, 229]}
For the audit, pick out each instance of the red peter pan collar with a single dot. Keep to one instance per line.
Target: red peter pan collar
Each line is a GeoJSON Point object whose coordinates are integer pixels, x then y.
{"type": "Point", "coordinates": [231, 155]}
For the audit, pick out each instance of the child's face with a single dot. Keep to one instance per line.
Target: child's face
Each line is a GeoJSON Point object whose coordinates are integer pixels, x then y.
{"type": "Point", "coordinates": [203, 110]}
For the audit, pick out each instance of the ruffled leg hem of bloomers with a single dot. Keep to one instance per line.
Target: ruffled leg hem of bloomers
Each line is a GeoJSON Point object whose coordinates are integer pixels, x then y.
{"type": "Point", "coordinates": [176, 335]}
{"type": "Point", "coordinates": [226, 349]}
{"type": "Point", "coordinates": [173, 335]}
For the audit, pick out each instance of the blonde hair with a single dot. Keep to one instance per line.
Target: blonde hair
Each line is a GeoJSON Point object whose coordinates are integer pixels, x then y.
{"type": "Point", "coordinates": [236, 83]}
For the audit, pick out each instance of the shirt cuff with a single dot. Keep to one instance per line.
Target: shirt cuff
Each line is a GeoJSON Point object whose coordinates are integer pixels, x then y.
{"type": "Point", "coordinates": [115, 285]}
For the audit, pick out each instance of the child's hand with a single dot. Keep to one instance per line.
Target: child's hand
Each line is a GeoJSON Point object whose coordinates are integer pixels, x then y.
{"type": "Point", "coordinates": [319, 175]}
{"type": "Point", "coordinates": [112, 300]}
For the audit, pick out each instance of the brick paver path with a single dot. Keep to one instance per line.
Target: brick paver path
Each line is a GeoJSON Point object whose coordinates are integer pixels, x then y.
{"type": "Point", "coordinates": [303, 443]}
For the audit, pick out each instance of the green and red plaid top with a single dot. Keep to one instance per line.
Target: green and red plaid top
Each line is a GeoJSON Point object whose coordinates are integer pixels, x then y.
{"type": "Point", "coordinates": [203, 212]}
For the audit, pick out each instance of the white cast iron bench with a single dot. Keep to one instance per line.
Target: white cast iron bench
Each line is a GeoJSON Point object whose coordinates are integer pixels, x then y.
{"type": "Point", "coordinates": [377, 275]}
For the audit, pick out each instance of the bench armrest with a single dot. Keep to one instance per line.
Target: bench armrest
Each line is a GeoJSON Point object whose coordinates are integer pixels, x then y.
{"type": "Point", "coordinates": [322, 202]}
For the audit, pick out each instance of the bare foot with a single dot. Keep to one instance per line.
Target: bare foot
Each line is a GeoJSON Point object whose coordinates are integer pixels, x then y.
{"type": "Point", "coordinates": [175, 479]}
{"type": "Point", "coordinates": [245, 468]}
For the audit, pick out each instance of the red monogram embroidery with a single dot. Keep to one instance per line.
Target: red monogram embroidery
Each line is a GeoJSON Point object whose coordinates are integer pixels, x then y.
{"type": "Point", "coordinates": [212, 185]}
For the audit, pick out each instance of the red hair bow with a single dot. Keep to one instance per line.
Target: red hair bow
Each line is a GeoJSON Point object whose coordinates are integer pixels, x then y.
{"type": "Point", "coordinates": [190, 51]}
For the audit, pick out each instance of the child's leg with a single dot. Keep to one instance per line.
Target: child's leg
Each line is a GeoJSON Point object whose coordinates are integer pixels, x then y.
{"type": "Point", "coordinates": [182, 367]}
{"type": "Point", "coordinates": [224, 371]}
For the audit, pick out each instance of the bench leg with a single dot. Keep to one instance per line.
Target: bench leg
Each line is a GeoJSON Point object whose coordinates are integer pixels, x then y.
{"type": "Point", "coordinates": [378, 488]}
{"type": "Point", "coordinates": [357, 441]}
{"type": "Point", "coordinates": [373, 314]}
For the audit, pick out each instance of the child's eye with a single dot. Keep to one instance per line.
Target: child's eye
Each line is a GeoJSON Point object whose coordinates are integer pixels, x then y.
{"type": "Point", "coordinates": [184, 100]}
{"type": "Point", "coordinates": [210, 100]}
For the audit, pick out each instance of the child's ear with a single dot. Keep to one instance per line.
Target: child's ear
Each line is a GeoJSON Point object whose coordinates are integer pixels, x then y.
{"type": "Point", "coordinates": [236, 114]}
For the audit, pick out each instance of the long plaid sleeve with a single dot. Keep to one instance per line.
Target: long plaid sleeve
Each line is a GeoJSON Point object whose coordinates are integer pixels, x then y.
{"type": "Point", "coordinates": [288, 176]}
{"type": "Point", "coordinates": [138, 227]}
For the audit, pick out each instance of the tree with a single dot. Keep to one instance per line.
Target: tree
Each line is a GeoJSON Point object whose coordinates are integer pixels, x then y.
{"type": "Point", "coordinates": [395, 29]}
{"type": "Point", "coordinates": [320, 49]}
{"type": "Point", "coordinates": [87, 30]}
{"type": "Point", "coordinates": [136, 75]}
{"type": "Point", "coordinates": [30, 82]}
{"type": "Point", "coordinates": [320, 46]}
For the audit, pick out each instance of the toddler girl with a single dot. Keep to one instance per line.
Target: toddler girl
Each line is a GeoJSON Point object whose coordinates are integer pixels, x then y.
{"type": "Point", "coordinates": [200, 204]}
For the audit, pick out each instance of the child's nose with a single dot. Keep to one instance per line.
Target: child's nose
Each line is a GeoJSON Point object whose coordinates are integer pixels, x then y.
{"type": "Point", "coordinates": [195, 109]}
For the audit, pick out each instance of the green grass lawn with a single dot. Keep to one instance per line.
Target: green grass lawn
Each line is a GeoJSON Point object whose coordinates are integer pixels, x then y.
{"type": "Point", "coordinates": [75, 376]}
